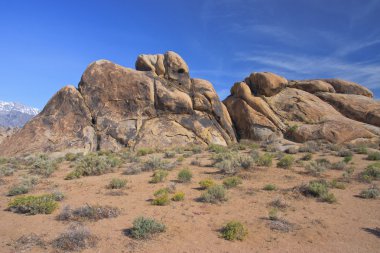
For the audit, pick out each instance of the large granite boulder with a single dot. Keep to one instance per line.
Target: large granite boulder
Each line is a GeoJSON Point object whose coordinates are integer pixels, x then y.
{"type": "Point", "coordinates": [114, 107]}
{"type": "Point", "coordinates": [266, 104]}
{"type": "Point", "coordinates": [356, 107]}
{"type": "Point", "coordinates": [64, 124]}
{"type": "Point", "coordinates": [347, 87]}
{"type": "Point", "coordinates": [266, 83]}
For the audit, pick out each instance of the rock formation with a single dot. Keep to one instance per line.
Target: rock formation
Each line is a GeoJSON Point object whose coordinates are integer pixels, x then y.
{"type": "Point", "coordinates": [158, 105]}
{"type": "Point", "coordinates": [334, 110]}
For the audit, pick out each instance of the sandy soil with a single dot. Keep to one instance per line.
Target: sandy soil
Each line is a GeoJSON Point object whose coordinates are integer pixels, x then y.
{"type": "Point", "coordinates": [350, 225]}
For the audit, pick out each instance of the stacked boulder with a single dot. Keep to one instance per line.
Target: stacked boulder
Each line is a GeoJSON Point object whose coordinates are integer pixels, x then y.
{"type": "Point", "coordinates": [338, 111]}
{"type": "Point", "coordinates": [157, 105]}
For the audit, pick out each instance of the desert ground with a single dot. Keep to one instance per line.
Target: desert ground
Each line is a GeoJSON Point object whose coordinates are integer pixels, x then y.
{"type": "Point", "coordinates": [300, 224]}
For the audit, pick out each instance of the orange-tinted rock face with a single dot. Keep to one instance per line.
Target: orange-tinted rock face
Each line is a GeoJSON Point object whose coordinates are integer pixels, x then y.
{"type": "Point", "coordinates": [159, 105]}
{"type": "Point", "coordinates": [329, 109]}
{"type": "Point", "coordinates": [115, 107]}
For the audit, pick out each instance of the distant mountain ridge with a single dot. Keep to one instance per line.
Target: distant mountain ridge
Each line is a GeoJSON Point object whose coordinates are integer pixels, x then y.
{"type": "Point", "coordinates": [14, 114]}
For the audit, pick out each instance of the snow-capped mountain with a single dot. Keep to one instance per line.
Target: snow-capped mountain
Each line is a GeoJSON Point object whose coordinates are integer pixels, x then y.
{"type": "Point", "coordinates": [15, 114]}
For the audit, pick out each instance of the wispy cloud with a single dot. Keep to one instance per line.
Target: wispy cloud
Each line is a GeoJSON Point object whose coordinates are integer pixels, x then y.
{"type": "Point", "coordinates": [304, 66]}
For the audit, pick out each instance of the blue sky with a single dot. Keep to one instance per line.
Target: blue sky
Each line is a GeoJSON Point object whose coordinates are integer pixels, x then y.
{"type": "Point", "coordinates": [45, 45]}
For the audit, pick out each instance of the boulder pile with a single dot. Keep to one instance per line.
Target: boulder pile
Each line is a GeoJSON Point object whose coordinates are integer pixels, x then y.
{"type": "Point", "coordinates": [159, 105]}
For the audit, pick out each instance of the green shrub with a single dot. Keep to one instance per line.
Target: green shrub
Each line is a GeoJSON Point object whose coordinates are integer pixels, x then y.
{"type": "Point", "coordinates": [185, 175]}
{"type": "Point", "coordinates": [338, 185]}
{"type": "Point", "coordinates": [169, 154]}
{"type": "Point", "coordinates": [159, 176]}
{"type": "Point", "coordinates": [24, 187]}
{"type": "Point", "coordinates": [339, 165]}
{"type": "Point", "coordinates": [6, 171]}
{"type": "Point", "coordinates": [307, 157]}
{"type": "Point", "coordinates": [265, 160]}
{"type": "Point", "coordinates": [270, 187]}
{"type": "Point", "coordinates": [345, 153]}
{"type": "Point", "coordinates": [155, 163]}
{"type": "Point", "coordinates": [73, 175]}
{"type": "Point", "coordinates": [371, 193]}
{"type": "Point", "coordinates": [217, 148]}
{"type": "Point", "coordinates": [71, 157]}
{"type": "Point", "coordinates": [231, 182]}
{"type": "Point", "coordinates": [42, 204]}
{"type": "Point", "coordinates": [329, 198]}
{"type": "Point", "coordinates": [244, 161]}
{"type": "Point", "coordinates": [214, 194]}
{"type": "Point", "coordinates": [374, 156]}
{"type": "Point", "coordinates": [324, 162]}
{"type": "Point", "coordinates": [318, 189]}
{"type": "Point", "coordinates": [314, 168]}
{"type": "Point", "coordinates": [361, 150]}
{"type": "Point", "coordinates": [372, 172]}
{"type": "Point", "coordinates": [145, 228]}
{"type": "Point", "coordinates": [94, 164]}
{"type": "Point", "coordinates": [286, 162]}
{"type": "Point", "coordinates": [145, 151]}
{"type": "Point", "coordinates": [43, 166]}
{"type": "Point", "coordinates": [180, 159]}
{"type": "Point", "coordinates": [196, 149]}
{"type": "Point", "coordinates": [75, 238]}
{"type": "Point", "coordinates": [234, 230]}
{"type": "Point", "coordinates": [347, 159]}
{"type": "Point", "coordinates": [117, 183]}
{"type": "Point", "coordinates": [18, 190]}
{"type": "Point", "coordinates": [161, 192]}
{"type": "Point", "coordinates": [273, 214]}
{"type": "Point", "coordinates": [228, 166]}
{"type": "Point", "coordinates": [278, 203]}
{"type": "Point", "coordinates": [162, 200]}
{"type": "Point", "coordinates": [219, 157]}
{"type": "Point", "coordinates": [88, 212]}
{"type": "Point", "coordinates": [347, 175]}
{"type": "Point", "coordinates": [57, 195]}
{"type": "Point", "coordinates": [179, 196]}
{"type": "Point", "coordinates": [206, 183]}
{"type": "Point", "coordinates": [161, 197]}
{"type": "Point", "coordinates": [309, 147]}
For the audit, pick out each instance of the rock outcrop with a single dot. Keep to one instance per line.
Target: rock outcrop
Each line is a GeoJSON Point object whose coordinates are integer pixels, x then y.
{"type": "Point", "coordinates": [327, 109]}
{"type": "Point", "coordinates": [157, 105]}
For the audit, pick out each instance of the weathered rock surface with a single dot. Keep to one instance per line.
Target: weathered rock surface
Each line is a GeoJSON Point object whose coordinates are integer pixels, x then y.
{"type": "Point", "coordinates": [266, 83]}
{"type": "Point", "coordinates": [266, 104]}
{"type": "Point", "coordinates": [64, 124]}
{"type": "Point", "coordinates": [312, 86]}
{"type": "Point", "coordinates": [6, 132]}
{"type": "Point", "coordinates": [159, 105]}
{"type": "Point", "coordinates": [315, 119]}
{"type": "Point", "coordinates": [347, 87]}
{"type": "Point", "coordinates": [355, 107]}
{"type": "Point", "coordinates": [115, 107]}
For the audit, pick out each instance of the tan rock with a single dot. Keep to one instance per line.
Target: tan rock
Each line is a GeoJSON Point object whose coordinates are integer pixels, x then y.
{"type": "Point", "coordinates": [347, 87]}
{"type": "Point", "coordinates": [355, 107]}
{"type": "Point", "coordinates": [249, 123]}
{"type": "Point", "coordinates": [315, 119]}
{"type": "Point", "coordinates": [312, 86]}
{"type": "Point", "coordinates": [207, 100]}
{"type": "Point", "coordinates": [149, 62]}
{"type": "Point", "coordinates": [266, 83]}
{"type": "Point", "coordinates": [241, 90]}
{"type": "Point", "coordinates": [64, 124]}
{"type": "Point", "coordinates": [116, 107]}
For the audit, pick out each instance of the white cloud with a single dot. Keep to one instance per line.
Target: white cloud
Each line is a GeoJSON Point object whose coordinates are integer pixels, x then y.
{"type": "Point", "coordinates": [304, 66]}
